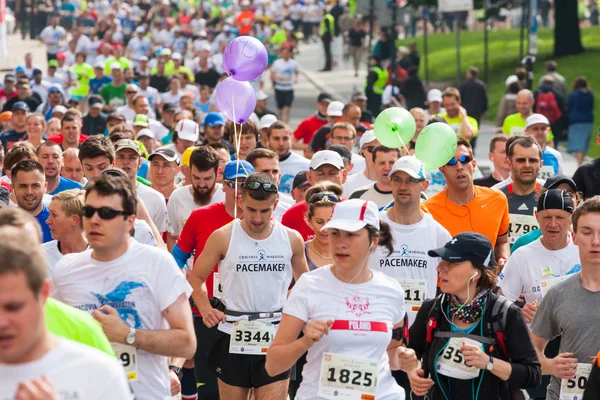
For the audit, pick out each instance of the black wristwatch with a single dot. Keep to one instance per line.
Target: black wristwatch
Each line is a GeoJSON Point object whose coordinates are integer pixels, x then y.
{"type": "Point", "coordinates": [178, 371]}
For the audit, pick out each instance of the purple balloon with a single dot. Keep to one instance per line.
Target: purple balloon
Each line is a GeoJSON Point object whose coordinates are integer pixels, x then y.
{"type": "Point", "coordinates": [236, 100]}
{"type": "Point", "coordinates": [245, 58]}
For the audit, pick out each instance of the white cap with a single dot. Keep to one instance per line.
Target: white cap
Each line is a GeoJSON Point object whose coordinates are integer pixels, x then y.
{"type": "Point", "coordinates": [288, 25]}
{"type": "Point", "coordinates": [59, 109]}
{"type": "Point", "coordinates": [410, 165]}
{"type": "Point", "coordinates": [353, 215]}
{"type": "Point", "coordinates": [145, 132]}
{"type": "Point", "coordinates": [366, 138]}
{"type": "Point", "coordinates": [140, 29]}
{"type": "Point", "coordinates": [143, 58]}
{"type": "Point", "coordinates": [261, 96]}
{"type": "Point", "coordinates": [266, 121]}
{"type": "Point", "coordinates": [434, 95]}
{"type": "Point", "coordinates": [536, 119]}
{"type": "Point", "coordinates": [176, 56]}
{"type": "Point", "coordinates": [326, 157]}
{"type": "Point", "coordinates": [114, 66]}
{"type": "Point", "coordinates": [254, 118]}
{"type": "Point", "coordinates": [99, 64]}
{"type": "Point", "coordinates": [187, 130]}
{"type": "Point", "coordinates": [335, 108]}
{"type": "Point", "coordinates": [511, 79]}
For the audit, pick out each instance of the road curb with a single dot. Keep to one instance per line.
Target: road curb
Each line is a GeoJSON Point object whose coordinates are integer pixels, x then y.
{"type": "Point", "coordinates": [319, 84]}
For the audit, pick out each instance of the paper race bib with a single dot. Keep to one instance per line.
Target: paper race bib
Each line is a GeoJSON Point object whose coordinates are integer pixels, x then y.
{"type": "Point", "coordinates": [548, 283]}
{"type": "Point", "coordinates": [415, 291]}
{"type": "Point", "coordinates": [128, 356]}
{"type": "Point", "coordinates": [217, 289]}
{"type": "Point", "coordinates": [517, 131]}
{"type": "Point", "coordinates": [520, 225]}
{"type": "Point", "coordinates": [251, 337]}
{"type": "Point", "coordinates": [348, 377]}
{"type": "Point", "coordinates": [572, 389]}
{"type": "Point", "coordinates": [547, 171]}
{"type": "Point", "coordinates": [457, 128]}
{"type": "Point", "coordinates": [451, 362]}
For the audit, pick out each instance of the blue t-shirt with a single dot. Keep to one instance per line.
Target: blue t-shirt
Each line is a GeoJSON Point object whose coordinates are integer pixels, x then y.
{"type": "Point", "coordinates": [41, 218]}
{"type": "Point", "coordinates": [66, 184]}
{"type": "Point", "coordinates": [96, 84]}
{"type": "Point", "coordinates": [70, 10]}
{"type": "Point", "coordinates": [143, 171]}
{"type": "Point", "coordinates": [8, 138]}
{"type": "Point", "coordinates": [550, 160]}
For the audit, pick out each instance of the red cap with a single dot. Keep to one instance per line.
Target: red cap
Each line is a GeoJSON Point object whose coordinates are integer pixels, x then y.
{"type": "Point", "coordinates": [61, 55]}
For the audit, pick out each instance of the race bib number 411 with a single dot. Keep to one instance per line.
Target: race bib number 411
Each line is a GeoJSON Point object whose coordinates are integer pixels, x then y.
{"type": "Point", "coordinates": [348, 377]}
{"type": "Point", "coordinates": [251, 337]}
{"type": "Point", "coordinates": [572, 389]}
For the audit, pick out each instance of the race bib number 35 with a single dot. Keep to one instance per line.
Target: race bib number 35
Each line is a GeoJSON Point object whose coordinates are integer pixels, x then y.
{"type": "Point", "coordinates": [347, 377]}
{"type": "Point", "coordinates": [251, 337]}
{"type": "Point", "coordinates": [572, 389]}
{"type": "Point", "coordinates": [128, 357]}
{"type": "Point", "coordinates": [452, 363]}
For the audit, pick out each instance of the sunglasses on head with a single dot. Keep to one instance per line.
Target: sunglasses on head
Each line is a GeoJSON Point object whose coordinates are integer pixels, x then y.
{"type": "Point", "coordinates": [463, 160]}
{"type": "Point", "coordinates": [266, 186]}
{"type": "Point", "coordinates": [105, 213]}
{"type": "Point", "coordinates": [321, 196]}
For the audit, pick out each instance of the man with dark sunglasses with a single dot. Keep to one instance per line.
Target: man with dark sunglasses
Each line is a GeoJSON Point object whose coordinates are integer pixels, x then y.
{"type": "Point", "coordinates": [464, 207]}
{"type": "Point", "coordinates": [367, 143]}
{"type": "Point", "coordinates": [133, 290]}
{"type": "Point", "coordinates": [257, 259]}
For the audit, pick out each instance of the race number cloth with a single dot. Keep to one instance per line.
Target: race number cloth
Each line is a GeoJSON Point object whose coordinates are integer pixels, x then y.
{"type": "Point", "coordinates": [348, 377]}
{"type": "Point", "coordinates": [452, 363]}
{"type": "Point", "coordinates": [520, 225]}
{"type": "Point", "coordinates": [572, 389]}
{"type": "Point", "coordinates": [251, 337]}
{"type": "Point", "coordinates": [128, 356]}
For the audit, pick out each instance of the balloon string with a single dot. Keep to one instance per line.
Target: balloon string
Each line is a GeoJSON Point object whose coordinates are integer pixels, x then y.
{"type": "Point", "coordinates": [237, 159]}
{"type": "Point", "coordinates": [399, 137]}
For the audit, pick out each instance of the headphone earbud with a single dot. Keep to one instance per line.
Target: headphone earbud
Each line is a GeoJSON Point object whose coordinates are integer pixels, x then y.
{"type": "Point", "coordinates": [474, 275]}
{"type": "Point", "coordinates": [371, 246]}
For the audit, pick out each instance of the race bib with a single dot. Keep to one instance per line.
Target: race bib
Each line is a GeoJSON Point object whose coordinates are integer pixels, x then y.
{"type": "Point", "coordinates": [547, 171]}
{"type": "Point", "coordinates": [217, 289]}
{"type": "Point", "coordinates": [517, 131]}
{"type": "Point", "coordinates": [548, 283]}
{"type": "Point", "coordinates": [415, 291]}
{"type": "Point", "coordinates": [572, 389]}
{"type": "Point", "coordinates": [251, 337]}
{"type": "Point", "coordinates": [451, 362]}
{"type": "Point", "coordinates": [520, 225]}
{"type": "Point", "coordinates": [348, 377]}
{"type": "Point", "coordinates": [457, 128]}
{"type": "Point", "coordinates": [128, 356]}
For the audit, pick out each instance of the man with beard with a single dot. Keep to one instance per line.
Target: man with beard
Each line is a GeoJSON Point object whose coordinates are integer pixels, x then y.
{"type": "Point", "coordinates": [203, 190]}
{"type": "Point", "coordinates": [29, 186]}
{"type": "Point", "coordinates": [525, 160]}
{"type": "Point", "coordinates": [51, 157]}
{"type": "Point", "coordinates": [128, 157]}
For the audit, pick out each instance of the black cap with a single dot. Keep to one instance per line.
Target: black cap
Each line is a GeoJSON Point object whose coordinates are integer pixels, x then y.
{"type": "Point", "coordinates": [9, 78]}
{"type": "Point", "coordinates": [143, 75]}
{"type": "Point", "coordinates": [115, 115]}
{"type": "Point", "coordinates": [555, 199]}
{"type": "Point", "coordinates": [467, 246]}
{"type": "Point", "coordinates": [554, 181]}
{"type": "Point", "coordinates": [300, 180]}
{"type": "Point", "coordinates": [324, 97]}
{"type": "Point", "coordinates": [170, 107]}
{"type": "Point", "coordinates": [4, 197]}
{"type": "Point", "coordinates": [165, 153]}
{"type": "Point", "coordinates": [36, 72]}
{"type": "Point", "coordinates": [20, 105]}
{"type": "Point", "coordinates": [95, 99]}
{"type": "Point", "coordinates": [342, 151]}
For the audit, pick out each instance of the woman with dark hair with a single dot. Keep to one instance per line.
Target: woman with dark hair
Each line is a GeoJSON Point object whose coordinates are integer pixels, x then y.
{"type": "Point", "coordinates": [320, 209]}
{"type": "Point", "coordinates": [473, 344]}
{"type": "Point", "coordinates": [580, 106]}
{"type": "Point", "coordinates": [353, 318]}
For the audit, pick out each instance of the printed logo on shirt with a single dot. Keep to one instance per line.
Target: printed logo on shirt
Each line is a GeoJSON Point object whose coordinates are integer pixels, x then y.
{"type": "Point", "coordinates": [404, 257]}
{"type": "Point", "coordinates": [523, 207]}
{"type": "Point", "coordinates": [358, 305]}
{"type": "Point", "coordinates": [365, 326]}
{"type": "Point", "coordinates": [117, 299]}
{"type": "Point", "coordinates": [261, 263]}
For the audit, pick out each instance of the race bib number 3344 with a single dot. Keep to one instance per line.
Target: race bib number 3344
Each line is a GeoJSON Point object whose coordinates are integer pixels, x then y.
{"type": "Point", "coordinates": [348, 377]}
{"type": "Point", "coordinates": [251, 337]}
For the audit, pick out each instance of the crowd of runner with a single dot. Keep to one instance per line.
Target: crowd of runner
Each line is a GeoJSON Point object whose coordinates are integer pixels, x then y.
{"type": "Point", "coordinates": [151, 248]}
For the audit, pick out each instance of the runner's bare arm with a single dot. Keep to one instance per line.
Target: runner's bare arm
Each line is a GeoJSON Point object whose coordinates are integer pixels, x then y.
{"type": "Point", "coordinates": [502, 249]}
{"type": "Point", "coordinates": [286, 348]}
{"type": "Point", "coordinates": [467, 130]}
{"type": "Point", "coordinates": [299, 264]}
{"type": "Point", "coordinates": [171, 240]}
{"type": "Point", "coordinates": [563, 365]}
{"type": "Point", "coordinates": [297, 145]}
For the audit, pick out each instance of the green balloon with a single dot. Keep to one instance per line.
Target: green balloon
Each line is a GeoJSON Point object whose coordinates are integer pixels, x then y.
{"type": "Point", "coordinates": [394, 127]}
{"type": "Point", "coordinates": [435, 145]}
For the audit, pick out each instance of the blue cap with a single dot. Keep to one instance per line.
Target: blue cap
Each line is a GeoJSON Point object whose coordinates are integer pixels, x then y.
{"type": "Point", "coordinates": [19, 68]}
{"type": "Point", "coordinates": [20, 105]}
{"type": "Point", "coordinates": [237, 169]}
{"type": "Point", "coordinates": [214, 118]}
{"type": "Point", "coordinates": [54, 89]}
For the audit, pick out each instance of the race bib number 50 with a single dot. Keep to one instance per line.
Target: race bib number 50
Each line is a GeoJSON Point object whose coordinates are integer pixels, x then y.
{"type": "Point", "coordinates": [572, 389]}
{"type": "Point", "coordinates": [348, 377]}
{"type": "Point", "coordinates": [251, 337]}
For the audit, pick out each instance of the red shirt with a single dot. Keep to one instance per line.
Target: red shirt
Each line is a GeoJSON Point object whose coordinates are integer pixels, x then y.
{"type": "Point", "coordinates": [308, 127]}
{"type": "Point", "coordinates": [7, 96]}
{"type": "Point", "coordinates": [198, 227]}
{"type": "Point", "coordinates": [295, 218]}
{"type": "Point", "coordinates": [59, 138]}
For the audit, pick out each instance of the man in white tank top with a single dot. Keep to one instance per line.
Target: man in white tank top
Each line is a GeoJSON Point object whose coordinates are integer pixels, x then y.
{"type": "Point", "coordinates": [257, 259]}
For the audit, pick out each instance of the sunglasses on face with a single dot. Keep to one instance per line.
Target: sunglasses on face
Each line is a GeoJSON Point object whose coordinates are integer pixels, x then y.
{"type": "Point", "coordinates": [105, 213]}
{"type": "Point", "coordinates": [231, 184]}
{"type": "Point", "coordinates": [462, 159]}
{"type": "Point", "coordinates": [266, 186]}
{"type": "Point", "coordinates": [321, 196]}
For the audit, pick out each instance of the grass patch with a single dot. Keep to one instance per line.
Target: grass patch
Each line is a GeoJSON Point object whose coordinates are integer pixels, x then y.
{"type": "Point", "coordinates": [504, 59]}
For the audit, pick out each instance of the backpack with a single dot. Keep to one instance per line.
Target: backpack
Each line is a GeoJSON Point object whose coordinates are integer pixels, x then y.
{"type": "Point", "coordinates": [548, 107]}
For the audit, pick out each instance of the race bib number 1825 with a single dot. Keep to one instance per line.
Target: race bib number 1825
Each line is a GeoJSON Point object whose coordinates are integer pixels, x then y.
{"type": "Point", "coordinates": [348, 377]}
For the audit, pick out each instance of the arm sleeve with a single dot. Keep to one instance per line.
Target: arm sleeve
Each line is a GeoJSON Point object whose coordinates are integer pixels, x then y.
{"type": "Point", "coordinates": [169, 283]}
{"type": "Point", "coordinates": [300, 133]}
{"type": "Point", "coordinates": [418, 330]}
{"type": "Point", "coordinates": [505, 127]}
{"type": "Point", "coordinates": [175, 227]}
{"type": "Point", "coordinates": [509, 280]}
{"type": "Point", "coordinates": [505, 218]}
{"type": "Point", "coordinates": [187, 239]}
{"type": "Point", "coordinates": [180, 256]}
{"type": "Point", "coordinates": [526, 368]}
{"type": "Point", "coordinates": [296, 304]}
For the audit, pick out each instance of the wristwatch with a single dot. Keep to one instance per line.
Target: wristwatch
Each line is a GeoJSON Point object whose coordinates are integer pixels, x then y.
{"type": "Point", "coordinates": [490, 365]}
{"type": "Point", "coordinates": [178, 371]}
{"type": "Point", "coordinates": [130, 339]}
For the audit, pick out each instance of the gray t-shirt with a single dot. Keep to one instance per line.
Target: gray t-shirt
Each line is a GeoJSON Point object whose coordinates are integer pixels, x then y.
{"type": "Point", "coordinates": [570, 311]}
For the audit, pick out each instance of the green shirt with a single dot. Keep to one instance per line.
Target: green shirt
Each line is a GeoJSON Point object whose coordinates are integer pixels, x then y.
{"type": "Point", "coordinates": [456, 124]}
{"type": "Point", "coordinates": [515, 124]}
{"type": "Point", "coordinates": [124, 62]}
{"type": "Point", "coordinates": [84, 73]}
{"type": "Point", "coordinates": [72, 323]}
{"type": "Point", "coordinates": [114, 96]}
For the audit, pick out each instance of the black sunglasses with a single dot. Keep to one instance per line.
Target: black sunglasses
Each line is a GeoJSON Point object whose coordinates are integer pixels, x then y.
{"type": "Point", "coordinates": [320, 196]}
{"type": "Point", "coordinates": [105, 213]}
{"type": "Point", "coordinates": [266, 186]}
{"type": "Point", "coordinates": [463, 160]}
{"type": "Point", "coordinates": [232, 183]}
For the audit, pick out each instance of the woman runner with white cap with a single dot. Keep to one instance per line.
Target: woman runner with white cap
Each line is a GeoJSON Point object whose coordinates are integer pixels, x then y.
{"type": "Point", "coordinates": [353, 318]}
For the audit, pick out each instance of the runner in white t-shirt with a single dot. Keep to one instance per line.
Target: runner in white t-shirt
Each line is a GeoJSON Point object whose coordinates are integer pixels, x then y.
{"type": "Point", "coordinates": [414, 233]}
{"type": "Point", "coordinates": [535, 267]}
{"type": "Point", "coordinates": [280, 141]}
{"type": "Point", "coordinates": [136, 292]}
{"type": "Point", "coordinates": [53, 37]}
{"type": "Point", "coordinates": [368, 142]}
{"type": "Point", "coordinates": [284, 74]}
{"type": "Point", "coordinates": [353, 318]}
{"type": "Point", "coordinates": [257, 259]}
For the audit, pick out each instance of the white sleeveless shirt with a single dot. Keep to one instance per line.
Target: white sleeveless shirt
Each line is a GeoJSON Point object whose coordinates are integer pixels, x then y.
{"type": "Point", "coordinates": [256, 274]}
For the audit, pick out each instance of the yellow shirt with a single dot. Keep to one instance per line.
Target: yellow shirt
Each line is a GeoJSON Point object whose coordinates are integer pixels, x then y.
{"type": "Point", "coordinates": [514, 124]}
{"type": "Point", "coordinates": [456, 124]}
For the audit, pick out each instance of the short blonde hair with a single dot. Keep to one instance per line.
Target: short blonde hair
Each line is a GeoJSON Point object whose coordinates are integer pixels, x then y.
{"type": "Point", "coordinates": [72, 202]}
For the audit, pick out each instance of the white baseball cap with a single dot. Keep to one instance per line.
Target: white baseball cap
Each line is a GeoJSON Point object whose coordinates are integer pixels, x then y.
{"type": "Point", "coordinates": [335, 108]}
{"type": "Point", "coordinates": [511, 79]}
{"type": "Point", "coordinates": [434, 95]}
{"type": "Point", "coordinates": [266, 121]}
{"type": "Point", "coordinates": [140, 29]}
{"type": "Point", "coordinates": [536, 119]}
{"type": "Point", "coordinates": [409, 164]}
{"type": "Point", "coordinates": [145, 132]}
{"type": "Point", "coordinates": [353, 215]}
{"type": "Point", "coordinates": [367, 138]}
{"type": "Point", "coordinates": [261, 96]}
{"type": "Point", "coordinates": [326, 157]}
{"type": "Point", "coordinates": [115, 66]}
{"type": "Point", "coordinates": [176, 56]}
{"type": "Point", "coordinates": [59, 109]}
{"type": "Point", "coordinates": [187, 130]}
